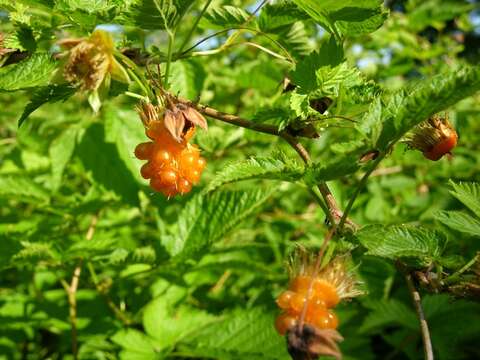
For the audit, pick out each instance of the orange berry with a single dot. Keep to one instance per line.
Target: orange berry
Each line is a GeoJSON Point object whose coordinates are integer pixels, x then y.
{"type": "Point", "coordinates": [283, 300]}
{"type": "Point", "coordinates": [192, 175]}
{"type": "Point", "coordinates": [168, 177]}
{"type": "Point", "coordinates": [169, 191]}
{"type": "Point", "coordinates": [322, 319]}
{"type": "Point", "coordinates": [327, 292]}
{"type": "Point", "coordinates": [161, 157]}
{"type": "Point", "coordinates": [201, 163]}
{"type": "Point", "coordinates": [442, 148]}
{"type": "Point", "coordinates": [155, 130]}
{"type": "Point", "coordinates": [284, 322]}
{"type": "Point", "coordinates": [144, 150]}
{"type": "Point", "coordinates": [188, 160]}
{"type": "Point", "coordinates": [147, 170]}
{"type": "Point", "coordinates": [301, 284]}
{"type": "Point", "coordinates": [298, 302]}
{"type": "Point", "coordinates": [184, 186]}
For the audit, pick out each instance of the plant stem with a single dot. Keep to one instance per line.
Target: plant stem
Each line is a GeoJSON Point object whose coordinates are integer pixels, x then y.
{"type": "Point", "coordinates": [417, 301]}
{"type": "Point", "coordinates": [171, 39]}
{"type": "Point", "coordinates": [194, 27]}
{"type": "Point", "coordinates": [72, 288]}
{"type": "Point", "coordinates": [360, 186]}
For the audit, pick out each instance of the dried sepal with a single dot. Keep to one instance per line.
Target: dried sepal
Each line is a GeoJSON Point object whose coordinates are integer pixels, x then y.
{"type": "Point", "coordinates": [148, 113]}
{"type": "Point", "coordinates": [195, 117]}
{"type": "Point", "coordinates": [175, 123]}
{"type": "Point", "coordinates": [307, 342]}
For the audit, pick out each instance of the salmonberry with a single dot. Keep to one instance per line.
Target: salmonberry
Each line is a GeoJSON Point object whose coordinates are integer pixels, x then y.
{"type": "Point", "coordinates": [315, 295]}
{"type": "Point", "coordinates": [173, 164]}
{"type": "Point", "coordinates": [434, 137]}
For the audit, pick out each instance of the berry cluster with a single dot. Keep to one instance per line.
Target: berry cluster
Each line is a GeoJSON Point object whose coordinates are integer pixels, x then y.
{"type": "Point", "coordinates": [323, 297]}
{"type": "Point", "coordinates": [172, 166]}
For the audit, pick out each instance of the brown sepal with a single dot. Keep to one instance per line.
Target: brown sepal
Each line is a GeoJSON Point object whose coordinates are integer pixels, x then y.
{"type": "Point", "coordinates": [175, 123]}
{"type": "Point", "coordinates": [195, 117]}
{"type": "Point", "coordinates": [309, 342]}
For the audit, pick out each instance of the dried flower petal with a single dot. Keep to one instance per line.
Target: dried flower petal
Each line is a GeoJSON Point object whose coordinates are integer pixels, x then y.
{"type": "Point", "coordinates": [195, 117]}
{"type": "Point", "coordinates": [308, 342]}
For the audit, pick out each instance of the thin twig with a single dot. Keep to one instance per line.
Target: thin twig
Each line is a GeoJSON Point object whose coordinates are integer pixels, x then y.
{"type": "Point", "coordinates": [334, 213]}
{"type": "Point", "coordinates": [72, 290]}
{"type": "Point", "coordinates": [417, 301]}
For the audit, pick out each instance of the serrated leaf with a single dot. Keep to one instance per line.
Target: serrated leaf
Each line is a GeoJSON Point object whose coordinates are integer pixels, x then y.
{"type": "Point", "coordinates": [89, 6]}
{"type": "Point", "coordinates": [272, 168]}
{"type": "Point", "coordinates": [278, 15]}
{"type": "Point", "coordinates": [147, 15]}
{"type": "Point", "coordinates": [169, 325]}
{"type": "Point", "coordinates": [397, 242]}
{"type": "Point", "coordinates": [43, 95]}
{"type": "Point", "coordinates": [332, 170]}
{"type": "Point", "coordinates": [22, 187]}
{"type": "Point", "coordinates": [348, 17]}
{"type": "Point", "coordinates": [22, 39]}
{"type": "Point", "coordinates": [102, 160]}
{"type": "Point", "coordinates": [247, 334]}
{"type": "Point", "coordinates": [330, 55]}
{"type": "Point", "coordinates": [207, 218]}
{"type": "Point", "coordinates": [460, 221]}
{"type": "Point", "coordinates": [187, 78]}
{"type": "Point", "coordinates": [37, 70]}
{"type": "Point", "coordinates": [60, 151]}
{"type": "Point", "coordinates": [224, 17]}
{"type": "Point", "coordinates": [387, 312]}
{"type": "Point", "coordinates": [468, 194]}
{"type": "Point", "coordinates": [135, 341]}
{"type": "Point", "coordinates": [394, 116]}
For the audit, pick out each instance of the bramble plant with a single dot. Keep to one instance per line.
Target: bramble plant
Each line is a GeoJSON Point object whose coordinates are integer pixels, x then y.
{"type": "Point", "coordinates": [338, 215]}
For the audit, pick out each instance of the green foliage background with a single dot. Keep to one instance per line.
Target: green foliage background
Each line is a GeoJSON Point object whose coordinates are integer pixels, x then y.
{"type": "Point", "coordinates": [196, 276]}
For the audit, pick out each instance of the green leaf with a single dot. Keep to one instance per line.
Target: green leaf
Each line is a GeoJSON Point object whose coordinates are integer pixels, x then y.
{"type": "Point", "coordinates": [22, 187]}
{"type": "Point", "coordinates": [224, 17]}
{"type": "Point", "coordinates": [387, 312]}
{"type": "Point", "coordinates": [37, 70]}
{"type": "Point", "coordinates": [460, 221]}
{"type": "Point", "coordinates": [389, 119]}
{"type": "Point", "coordinates": [468, 194]}
{"type": "Point", "coordinates": [279, 15]}
{"type": "Point", "coordinates": [348, 17]}
{"type": "Point", "coordinates": [22, 39]}
{"type": "Point", "coordinates": [332, 170]}
{"type": "Point", "coordinates": [246, 334]}
{"type": "Point", "coordinates": [273, 168]}
{"type": "Point", "coordinates": [136, 343]}
{"type": "Point", "coordinates": [103, 162]}
{"type": "Point", "coordinates": [61, 150]}
{"type": "Point", "coordinates": [43, 95]}
{"type": "Point", "coordinates": [187, 78]}
{"type": "Point", "coordinates": [330, 55]}
{"type": "Point", "coordinates": [89, 6]}
{"type": "Point", "coordinates": [170, 324]}
{"type": "Point", "coordinates": [147, 15]}
{"type": "Point", "coordinates": [206, 219]}
{"type": "Point", "coordinates": [397, 242]}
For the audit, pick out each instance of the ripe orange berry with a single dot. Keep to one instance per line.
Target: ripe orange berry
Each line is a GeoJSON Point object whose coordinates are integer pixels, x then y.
{"type": "Point", "coordinates": [326, 292]}
{"type": "Point", "coordinates": [300, 284]}
{"type": "Point", "coordinates": [144, 150]}
{"type": "Point", "coordinates": [442, 148]}
{"type": "Point", "coordinates": [155, 130]}
{"type": "Point", "coordinates": [284, 322]}
{"type": "Point", "coordinates": [201, 163]}
{"type": "Point", "coordinates": [184, 186]}
{"type": "Point", "coordinates": [192, 175]}
{"type": "Point", "coordinates": [168, 177]}
{"type": "Point", "coordinates": [161, 157]}
{"type": "Point", "coordinates": [147, 170]}
{"type": "Point", "coordinates": [283, 300]}
{"type": "Point", "coordinates": [322, 318]}
{"type": "Point", "coordinates": [188, 160]}
{"type": "Point", "coordinates": [169, 191]}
